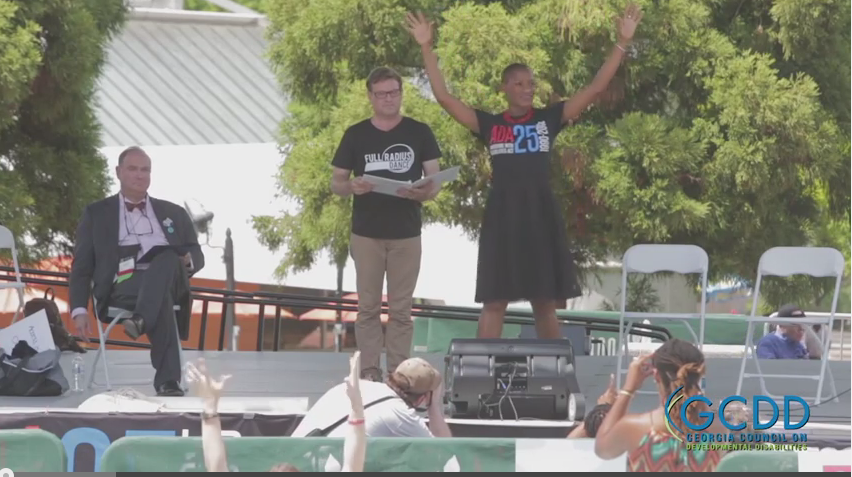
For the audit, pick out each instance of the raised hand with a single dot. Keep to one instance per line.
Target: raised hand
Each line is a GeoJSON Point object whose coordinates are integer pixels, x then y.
{"type": "Point", "coordinates": [608, 397]}
{"type": "Point", "coordinates": [353, 381]}
{"type": "Point", "coordinates": [202, 384]}
{"type": "Point", "coordinates": [640, 369]}
{"type": "Point", "coordinates": [628, 22]}
{"type": "Point", "coordinates": [419, 27]}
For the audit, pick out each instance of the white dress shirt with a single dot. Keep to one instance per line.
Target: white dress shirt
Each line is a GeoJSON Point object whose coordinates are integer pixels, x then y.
{"type": "Point", "coordinates": [139, 227]}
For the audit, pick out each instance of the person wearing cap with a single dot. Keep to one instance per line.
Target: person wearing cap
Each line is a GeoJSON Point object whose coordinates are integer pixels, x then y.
{"type": "Point", "coordinates": [811, 342]}
{"type": "Point", "coordinates": [785, 342]}
{"type": "Point", "coordinates": [390, 408]}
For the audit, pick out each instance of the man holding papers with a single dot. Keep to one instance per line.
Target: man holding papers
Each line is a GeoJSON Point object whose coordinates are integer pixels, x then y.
{"type": "Point", "coordinates": [395, 152]}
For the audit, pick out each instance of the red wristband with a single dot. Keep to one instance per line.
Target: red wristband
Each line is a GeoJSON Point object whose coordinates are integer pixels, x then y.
{"type": "Point", "coordinates": [356, 422]}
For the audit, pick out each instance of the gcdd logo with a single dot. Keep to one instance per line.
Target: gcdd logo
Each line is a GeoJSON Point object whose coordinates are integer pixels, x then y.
{"type": "Point", "coordinates": [693, 429]}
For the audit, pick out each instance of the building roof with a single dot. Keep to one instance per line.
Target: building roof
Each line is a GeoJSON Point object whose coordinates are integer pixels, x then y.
{"type": "Point", "coordinates": [177, 77]}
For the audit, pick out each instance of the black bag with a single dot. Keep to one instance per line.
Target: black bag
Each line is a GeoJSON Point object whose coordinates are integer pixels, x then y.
{"type": "Point", "coordinates": [61, 338]}
{"type": "Point", "coordinates": [36, 375]}
{"type": "Point", "coordinates": [324, 432]}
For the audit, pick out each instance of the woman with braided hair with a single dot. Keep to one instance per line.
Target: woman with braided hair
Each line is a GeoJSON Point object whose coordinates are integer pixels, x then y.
{"type": "Point", "coordinates": [651, 443]}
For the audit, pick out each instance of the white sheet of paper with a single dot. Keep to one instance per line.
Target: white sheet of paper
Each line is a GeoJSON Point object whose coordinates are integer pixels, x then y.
{"type": "Point", "coordinates": [385, 186]}
{"type": "Point", "coordinates": [34, 329]}
{"type": "Point", "coordinates": [446, 175]}
{"type": "Point", "coordinates": [390, 186]}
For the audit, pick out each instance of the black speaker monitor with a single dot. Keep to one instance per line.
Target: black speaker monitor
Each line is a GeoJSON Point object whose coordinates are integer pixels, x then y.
{"type": "Point", "coordinates": [513, 379]}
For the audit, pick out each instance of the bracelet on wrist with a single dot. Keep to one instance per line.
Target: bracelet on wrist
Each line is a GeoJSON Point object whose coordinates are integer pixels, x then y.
{"type": "Point", "coordinates": [620, 47]}
{"type": "Point", "coordinates": [206, 416]}
{"type": "Point", "coordinates": [356, 422]}
{"type": "Point", "coordinates": [624, 392]}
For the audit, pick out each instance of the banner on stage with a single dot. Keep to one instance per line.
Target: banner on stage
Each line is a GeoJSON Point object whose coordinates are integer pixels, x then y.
{"type": "Point", "coordinates": [86, 436]}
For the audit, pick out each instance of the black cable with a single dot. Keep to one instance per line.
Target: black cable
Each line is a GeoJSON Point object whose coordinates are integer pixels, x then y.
{"type": "Point", "coordinates": [831, 399]}
{"type": "Point", "coordinates": [504, 395]}
{"type": "Point", "coordinates": [825, 402]}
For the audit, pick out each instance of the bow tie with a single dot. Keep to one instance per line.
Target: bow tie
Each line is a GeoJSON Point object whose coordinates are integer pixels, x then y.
{"type": "Point", "coordinates": [140, 206]}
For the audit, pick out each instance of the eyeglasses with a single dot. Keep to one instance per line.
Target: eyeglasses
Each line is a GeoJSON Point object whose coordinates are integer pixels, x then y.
{"type": "Point", "coordinates": [394, 93]}
{"type": "Point", "coordinates": [142, 225]}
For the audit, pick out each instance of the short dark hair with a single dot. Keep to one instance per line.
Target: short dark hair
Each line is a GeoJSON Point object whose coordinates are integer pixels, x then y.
{"type": "Point", "coordinates": [512, 69]}
{"type": "Point", "coordinates": [595, 418]}
{"type": "Point", "coordinates": [380, 74]}
{"type": "Point", "coordinates": [127, 152]}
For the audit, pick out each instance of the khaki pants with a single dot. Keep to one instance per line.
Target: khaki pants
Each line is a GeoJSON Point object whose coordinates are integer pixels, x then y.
{"type": "Point", "coordinates": [373, 258]}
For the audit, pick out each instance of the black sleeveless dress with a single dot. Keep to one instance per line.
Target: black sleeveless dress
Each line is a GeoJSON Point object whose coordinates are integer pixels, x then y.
{"type": "Point", "coordinates": [523, 246]}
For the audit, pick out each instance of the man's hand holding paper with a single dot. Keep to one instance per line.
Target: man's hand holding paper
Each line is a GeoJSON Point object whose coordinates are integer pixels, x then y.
{"type": "Point", "coordinates": [422, 190]}
{"type": "Point", "coordinates": [420, 193]}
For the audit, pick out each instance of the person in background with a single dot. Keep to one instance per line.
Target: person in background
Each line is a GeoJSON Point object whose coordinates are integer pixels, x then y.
{"type": "Point", "coordinates": [810, 340]}
{"type": "Point", "coordinates": [213, 445]}
{"type": "Point", "coordinates": [390, 407]}
{"type": "Point", "coordinates": [385, 235]}
{"type": "Point", "coordinates": [647, 438]}
{"type": "Point", "coordinates": [592, 422]}
{"type": "Point", "coordinates": [785, 343]}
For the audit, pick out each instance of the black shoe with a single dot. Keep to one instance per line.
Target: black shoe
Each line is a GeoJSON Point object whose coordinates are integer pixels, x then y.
{"type": "Point", "coordinates": [134, 327]}
{"type": "Point", "coordinates": [169, 389]}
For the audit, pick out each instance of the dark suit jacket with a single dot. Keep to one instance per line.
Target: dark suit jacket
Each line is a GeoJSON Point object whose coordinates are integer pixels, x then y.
{"type": "Point", "coordinates": [96, 253]}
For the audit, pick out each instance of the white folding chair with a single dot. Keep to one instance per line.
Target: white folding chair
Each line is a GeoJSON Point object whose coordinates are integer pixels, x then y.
{"type": "Point", "coordinates": [653, 258]}
{"type": "Point", "coordinates": [785, 262]}
{"type": "Point", "coordinates": [7, 240]}
{"type": "Point", "coordinates": [118, 315]}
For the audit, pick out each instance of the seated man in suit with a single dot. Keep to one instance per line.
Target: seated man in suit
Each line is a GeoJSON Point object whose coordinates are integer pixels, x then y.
{"type": "Point", "coordinates": [138, 253]}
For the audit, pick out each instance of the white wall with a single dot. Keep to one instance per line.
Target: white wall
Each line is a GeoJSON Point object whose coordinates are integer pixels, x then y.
{"type": "Point", "coordinates": [238, 181]}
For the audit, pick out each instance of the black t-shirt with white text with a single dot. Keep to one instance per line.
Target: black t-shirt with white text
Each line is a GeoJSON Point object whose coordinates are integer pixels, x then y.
{"type": "Point", "coordinates": [397, 154]}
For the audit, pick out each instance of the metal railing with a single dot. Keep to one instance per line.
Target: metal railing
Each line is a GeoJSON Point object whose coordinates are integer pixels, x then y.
{"type": "Point", "coordinates": [275, 302]}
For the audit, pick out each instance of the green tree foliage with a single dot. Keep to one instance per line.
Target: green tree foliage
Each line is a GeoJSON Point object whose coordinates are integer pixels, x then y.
{"type": "Point", "coordinates": [720, 129]}
{"type": "Point", "coordinates": [51, 54]}
{"type": "Point", "coordinates": [641, 296]}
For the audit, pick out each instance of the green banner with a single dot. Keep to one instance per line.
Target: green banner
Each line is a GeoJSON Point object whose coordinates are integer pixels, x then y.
{"type": "Point", "coordinates": [31, 450]}
{"type": "Point", "coordinates": [259, 454]}
{"type": "Point", "coordinates": [40, 451]}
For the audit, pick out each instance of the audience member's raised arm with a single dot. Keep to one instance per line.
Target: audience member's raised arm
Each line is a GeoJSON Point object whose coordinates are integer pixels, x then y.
{"type": "Point", "coordinates": [619, 431]}
{"type": "Point", "coordinates": [437, 424]}
{"type": "Point", "coordinates": [608, 397]}
{"type": "Point", "coordinates": [355, 445]}
{"type": "Point", "coordinates": [209, 390]}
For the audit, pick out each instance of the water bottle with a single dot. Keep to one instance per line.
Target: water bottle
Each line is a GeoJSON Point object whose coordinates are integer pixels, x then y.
{"type": "Point", "coordinates": [77, 370]}
{"type": "Point", "coordinates": [235, 338]}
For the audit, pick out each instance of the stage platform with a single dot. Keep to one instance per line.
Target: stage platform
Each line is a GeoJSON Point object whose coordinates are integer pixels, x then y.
{"type": "Point", "coordinates": [285, 382]}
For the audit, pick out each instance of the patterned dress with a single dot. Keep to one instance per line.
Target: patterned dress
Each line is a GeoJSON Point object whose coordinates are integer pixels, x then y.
{"type": "Point", "coordinates": [663, 453]}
